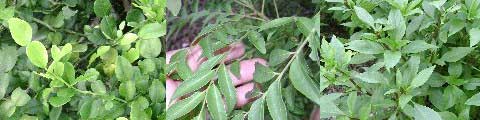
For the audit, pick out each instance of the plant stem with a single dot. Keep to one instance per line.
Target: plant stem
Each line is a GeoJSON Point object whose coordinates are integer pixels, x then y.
{"type": "Point", "coordinates": [276, 9]}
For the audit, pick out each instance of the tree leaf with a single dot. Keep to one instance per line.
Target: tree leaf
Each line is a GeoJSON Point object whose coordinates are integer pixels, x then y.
{"type": "Point", "coordinates": [417, 46]}
{"type": "Point", "coordinates": [174, 6]}
{"type": "Point", "coordinates": [275, 104]}
{"type": "Point", "coordinates": [422, 77]}
{"type": "Point", "coordinates": [157, 91]}
{"type": "Point", "coordinates": [262, 73]}
{"type": "Point", "coordinates": [256, 111]}
{"type": "Point", "coordinates": [456, 53]}
{"type": "Point", "coordinates": [127, 89]}
{"type": "Point", "coordinates": [301, 80]}
{"type": "Point", "coordinates": [102, 7]}
{"type": "Point", "coordinates": [425, 113]}
{"type": "Point", "coordinates": [58, 101]}
{"type": "Point", "coordinates": [108, 26]}
{"type": "Point", "coordinates": [123, 69]}
{"type": "Point", "coordinates": [37, 53]}
{"type": "Point", "coordinates": [277, 56]}
{"type": "Point", "coordinates": [128, 38]}
{"type": "Point", "coordinates": [365, 46]}
{"type": "Point", "coordinates": [391, 58]}
{"type": "Point", "coordinates": [198, 80]}
{"type": "Point", "coordinates": [474, 100]}
{"type": "Point", "coordinates": [98, 87]}
{"type": "Point", "coordinates": [150, 48]}
{"type": "Point", "coordinates": [152, 30]}
{"type": "Point", "coordinates": [215, 104]}
{"type": "Point", "coordinates": [211, 62]}
{"type": "Point", "coordinates": [184, 106]}
{"type": "Point", "coordinates": [20, 97]}
{"type": "Point", "coordinates": [371, 77]}
{"type": "Point", "coordinates": [364, 16]}
{"type": "Point", "coordinates": [474, 36]}
{"type": "Point", "coordinates": [20, 30]}
{"type": "Point", "coordinates": [9, 59]}
{"type": "Point", "coordinates": [275, 23]}
{"type": "Point", "coordinates": [90, 74]}
{"type": "Point", "coordinates": [227, 88]}
{"type": "Point", "coordinates": [257, 40]}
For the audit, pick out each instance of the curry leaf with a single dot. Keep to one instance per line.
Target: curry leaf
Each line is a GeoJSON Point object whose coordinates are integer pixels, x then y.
{"type": "Point", "coordinates": [20, 30]}
{"type": "Point", "coordinates": [37, 53]}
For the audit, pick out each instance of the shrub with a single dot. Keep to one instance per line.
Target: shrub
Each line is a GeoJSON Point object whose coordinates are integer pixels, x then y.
{"type": "Point", "coordinates": [82, 59]}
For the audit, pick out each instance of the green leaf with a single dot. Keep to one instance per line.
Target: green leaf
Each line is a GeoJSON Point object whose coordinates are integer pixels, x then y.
{"type": "Point", "coordinates": [132, 54]}
{"type": "Point", "coordinates": [474, 100]}
{"type": "Point", "coordinates": [128, 38]}
{"type": "Point", "coordinates": [422, 77]}
{"type": "Point", "coordinates": [256, 111]}
{"type": "Point", "coordinates": [370, 77]}
{"type": "Point", "coordinates": [364, 16]}
{"type": "Point", "coordinates": [98, 87]}
{"type": "Point", "coordinates": [9, 59]}
{"type": "Point", "coordinates": [365, 46]}
{"type": "Point", "coordinates": [138, 109]}
{"type": "Point", "coordinates": [5, 79]}
{"type": "Point", "coordinates": [275, 104]}
{"type": "Point", "coordinates": [417, 46]}
{"type": "Point", "coordinates": [7, 108]}
{"type": "Point", "coordinates": [174, 6]}
{"type": "Point", "coordinates": [474, 36]}
{"type": "Point", "coordinates": [123, 69]}
{"type": "Point", "coordinates": [227, 88]}
{"type": "Point", "coordinates": [277, 56]}
{"type": "Point", "coordinates": [102, 7]}
{"type": "Point", "coordinates": [211, 62]}
{"type": "Point", "coordinates": [102, 50]}
{"type": "Point", "coordinates": [198, 80]}
{"type": "Point", "coordinates": [152, 30]}
{"type": "Point", "coordinates": [262, 73]}
{"type": "Point", "coordinates": [20, 30]}
{"type": "Point", "coordinates": [127, 89]}
{"type": "Point", "coordinates": [109, 27]}
{"type": "Point", "coordinates": [391, 58]}
{"type": "Point", "coordinates": [276, 23]}
{"type": "Point", "coordinates": [58, 101]}
{"type": "Point", "coordinates": [184, 106]}
{"type": "Point", "coordinates": [37, 53]}
{"type": "Point", "coordinates": [215, 104]}
{"type": "Point", "coordinates": [425, 113]}
{"type": "Point", "coordinates": [456, 53]}
{"type": "Point", "coordinates": [89, 75]}
{"type": "Point", "coordinates": [150, 48]}
{"type": "Point", "coordinates": [365, 111]}
{"type": "Point", "coordinates": [258, 41]}
{"type": "Point", "coordinates": [20, 97]}
{"type": "Point", "coordinates": [156, 91]}
{"type": "Point", "coordinates": [301, 81]}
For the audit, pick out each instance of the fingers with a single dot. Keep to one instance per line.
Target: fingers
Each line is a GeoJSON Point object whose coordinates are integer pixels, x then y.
{"type": "Point", "coordinates": [170, 89]}
{"type": "Point", "coordinates": [242, 92]}
{"type": "Point", "coordinates": [315, 115]}
{"type": "Point", "coordinates": [247, 69]}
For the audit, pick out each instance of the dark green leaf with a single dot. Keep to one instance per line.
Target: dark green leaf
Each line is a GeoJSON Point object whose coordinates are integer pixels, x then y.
{"type": "Point", "coordinates": [215, 104]}
{"type": "Point", "coordinates": [275, 104]}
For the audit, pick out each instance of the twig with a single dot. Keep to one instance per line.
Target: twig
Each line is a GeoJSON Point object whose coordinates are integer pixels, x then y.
{"type": "Point", "coordinates": [276, 9]}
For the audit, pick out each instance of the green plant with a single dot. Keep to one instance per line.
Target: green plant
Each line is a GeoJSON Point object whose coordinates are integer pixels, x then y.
{"type": "Point", "coordinates": [291, 45]}
{"type": "Point", "coordinates": [82, 59]}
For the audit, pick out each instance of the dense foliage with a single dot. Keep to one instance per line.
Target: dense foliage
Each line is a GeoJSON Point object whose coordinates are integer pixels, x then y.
{"type": "Point", "coordinates": [289, 85]}
{"type": "Point", "coordinates": [82, 59]}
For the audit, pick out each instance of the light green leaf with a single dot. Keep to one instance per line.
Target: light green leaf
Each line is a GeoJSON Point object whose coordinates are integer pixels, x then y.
{"type": "Point", "coordinates": [262, 73]}
{"type": "Point", "coordinates": [184, 106]}
{"type": "Point", "coordinates": [422, 77]}
{"type": "Point", "coordinates": [138, 109]}
{"type": "Point", "coordinates": [58, 101]}
{"type": "Point", "coordinates": [456, 53]}
{"type": "Point", "coordinates": [9, 59]}
{"type": "Point", "coordinates": [128, 38]}
{"type": "Point", "coordinates": [102, 50]}
{"type": "Point", "coordinates": [132, 54]}
{"type": "Point", "coordinates": [365, 46]}
{"type": "Point", "coordinates": [474, 100]}
{"type": "Point", "coordinates": [227, 88]}
{"type": "Point", "coordinates": [256, 111]}
{"type": "Point", "coordinates": [275, 104]}
{"type": "Point", "coordinates": [20, 30]}
{"type": "Point", "coordinates": [5, 79]}
{"type": "Point", "coordinates": [150, 48]}
{"type": "Point", "coordinates": [90, 74]}
{"type": "Point", "coordinates": [257, 40]}
{"type": "Point", "coordinates": [215, 104]}
{"type": "Point", "coordinates": [7, 108]}
{"type": "Point", "coordinates": [156, 91]}
{"type": "Point", "coordinates": [391, 58]}
{"type": "Point", "coordinates": [275, 23]}
{"type": "Point", "coordinates": [212, 62]}
{"type": "Point", "coordinates": [123, 69]}
{"type": "Point", "coordinates": [364, 16]}
{"type": "Point", "coordinates": [174, 6]}
{"type": "Point", "coordinates": [474, 36]}
{"type": "Point", "coordinates": [302, 82]}
{"type": "Point", "coordinates": [152, 30]}
{"type": "Point", "coordinates": [370, 77]}
{"type": "Point", "coordinates": [404, 99]}
{"type": "Point", "coordinates": [37, 53]}
{"type": "Point", "coordinates": [20, 97]}
{"type": "Point", "coordinates": [198, 80]}
{"type": "Point", "coordinates": [127, 89]}
{"type": "Point", "coordinates": [425, 113]}
{"type": "Point", "coordinates": [277, 56]}
{"type": "Point", "coordinates": [417, 46]}
{"type": "Point", "coordinates": [98, 87]}
{"type": "Point", "coordinates": [102, 7]}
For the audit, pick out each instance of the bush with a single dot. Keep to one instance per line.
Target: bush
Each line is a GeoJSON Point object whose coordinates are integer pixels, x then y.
{"type": "Point", "coordinates": [82, 59]}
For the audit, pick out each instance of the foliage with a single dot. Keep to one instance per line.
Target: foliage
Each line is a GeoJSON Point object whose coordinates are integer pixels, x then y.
{"type": "Point", "coordinates": [77, 59]}
{"type": "Point", "coordinates": [291, 82]}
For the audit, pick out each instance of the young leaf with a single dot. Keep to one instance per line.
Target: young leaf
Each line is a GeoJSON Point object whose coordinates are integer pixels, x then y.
{"type": "Point", "coordinates": [20, 97]}
{"type": "Point", "coordinates": [256, 111]}
{"type": "Point", "coordinates": [422, 77]}
{"type": "Point", "coordinates": [184, 106]}
{"type": "Point", "coordinates": [275, 104]}
{"type": "Point", "coordinates": [198, 80]}
{"type": "Point", "coordinates": [275, 23]}
{"type": "Point", "coordinates": [20, 30]}
{"type": "Point", "coordinates": [365, 46]}
{"type": "Point", "coordinates": [215, 104]}
{"type": "Point", "coordinates": [364, 16]}
{"type": "Point", "coordinates": [227, 88]}
{"type": "Point", "coordinates": [102, 7]}
{"type": "Point", "coordinates": [474, 100]}
{"type": "Point", "coordinates": [262, 73]}
{"type": "Point", "coordinates": [258, 41]}
{"type": "Point", "coordinates": [302, 81]}
{"type": "Point", "coordinates": [425, 113]}
{"type": "Point", "coordinates": [37, 53]}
